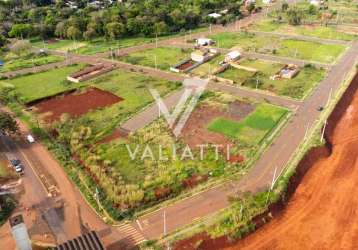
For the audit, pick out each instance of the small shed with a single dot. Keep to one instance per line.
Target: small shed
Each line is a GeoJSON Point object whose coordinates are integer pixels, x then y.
{"type": "Point", "coordinates": [232, 56]}
{"type": "Point", "coordinates": [267, 1]}
{"type": "Point", "coordinates": [204, 41]}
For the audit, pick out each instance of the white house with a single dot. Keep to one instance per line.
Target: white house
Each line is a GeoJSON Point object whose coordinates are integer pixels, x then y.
{"type": "Point", "coordinates": [232, 56]}
{"type": "Point", "coordinates": [214, 15]}
{"type": "Point", "coordinates": [204, 41]}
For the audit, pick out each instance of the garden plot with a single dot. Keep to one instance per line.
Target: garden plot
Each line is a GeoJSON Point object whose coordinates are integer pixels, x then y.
{"type": "Point", "coordinates": [305, 50]}
{"type": "Point", "coordinates": [209, 67]}
{"type": "Point", "coordinates": [162, 58]}
{"type": "Point", "coordinates": [74, 104]}
{"type": "Point", "coordinates": [297, 87]}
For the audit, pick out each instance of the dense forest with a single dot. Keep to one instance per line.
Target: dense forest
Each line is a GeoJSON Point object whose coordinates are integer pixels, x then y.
{"type": "Point", "coordinates": [84, 19]}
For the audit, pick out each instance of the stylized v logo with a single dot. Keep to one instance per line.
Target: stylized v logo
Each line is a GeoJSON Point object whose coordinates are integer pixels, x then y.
{"type": "Point", "coordinates": [192, 87]}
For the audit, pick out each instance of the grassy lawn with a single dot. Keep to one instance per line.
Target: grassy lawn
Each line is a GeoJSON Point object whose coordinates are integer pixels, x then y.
{"type": "Point", "coordinates": [36, 86]}
{"type": "Point", "coordinates": [312, 51]}
{"type": "Point", "coordinates": [208, 67]}
{"type": "Point", "coordinates": [305, 30]}
{"type": "Point", "coordinates": [305, 50]}
{"type": "Point", "coordinates": [133, 88]}
{"type": "Point", "coordinates": [237, 75]}
{"type": "Point", "coordinates": [28, 62]}
{"type": "Point", "coordinates": [252, 129]}
{"type": "Point", "coordinates": [165, 57]}
{"type": "Point", "coordinates": [99, 45]}
{"type": "Point", "coordinates": [298, 87]}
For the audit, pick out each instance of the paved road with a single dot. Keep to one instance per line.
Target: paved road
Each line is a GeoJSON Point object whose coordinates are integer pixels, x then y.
{"type": "Point", "coordinates": [151, 113]}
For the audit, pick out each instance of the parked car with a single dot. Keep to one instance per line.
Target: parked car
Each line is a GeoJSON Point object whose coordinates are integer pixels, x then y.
{"type": "Point", "coordinates": [19, 169]}
{"type": "Point", "coordinates": [15, 162]}
{"type": "Point", "coordinates": [30, 138]}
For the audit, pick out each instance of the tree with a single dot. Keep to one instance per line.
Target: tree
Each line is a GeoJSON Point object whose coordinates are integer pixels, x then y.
{"type": "Point", "coordinates": [294, 16]}
{"type": "Point", "coordinates": [21, 47]}
{"type": "Point", "coordinates": [73, 33]}
{"type": "Point", "coordinates": [20, 30]}
{"type": "Point", "coordinates": [8, 124]}
{"type": "Point", "coordinates": [60, 30]}
{"type": "Point", "coordinates": [114, 30]}
{"type": "Point", "coordinates": [284, 6]}
{"type": "Point", "coordinates": [3, 41]}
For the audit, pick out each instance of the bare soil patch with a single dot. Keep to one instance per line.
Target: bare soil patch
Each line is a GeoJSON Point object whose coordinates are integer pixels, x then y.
{"type": "Point", "coordinates": [118, 133]}
{"type": "Point", "coordinates": [75, 104]}
{"type": "Point", "coordinates": [195, 131]}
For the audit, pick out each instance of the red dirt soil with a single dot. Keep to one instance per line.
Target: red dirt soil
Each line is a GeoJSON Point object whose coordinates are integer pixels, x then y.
{"type": "Point", "coordinates": [323, 210]}
{"type": "Point", "coordinates": [75, 104]}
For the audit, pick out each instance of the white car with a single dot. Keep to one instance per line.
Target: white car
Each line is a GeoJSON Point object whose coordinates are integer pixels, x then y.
{"type": "Point", "coordinates": [30, 138]}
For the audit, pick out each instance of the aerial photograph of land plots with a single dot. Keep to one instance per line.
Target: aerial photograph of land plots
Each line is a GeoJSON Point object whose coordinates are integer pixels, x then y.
{"type": "Point", "coordinates": [178, 124]}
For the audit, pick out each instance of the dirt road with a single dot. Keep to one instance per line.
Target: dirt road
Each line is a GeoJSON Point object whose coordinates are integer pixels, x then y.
{"type": "Point", "coordinates": [322, 213]}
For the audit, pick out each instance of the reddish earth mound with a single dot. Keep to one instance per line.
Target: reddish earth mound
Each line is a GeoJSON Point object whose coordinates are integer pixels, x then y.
{"type": "Point", "coordinates": [322, 210]}
{"type": "Point", "coordinates": [75, 104]}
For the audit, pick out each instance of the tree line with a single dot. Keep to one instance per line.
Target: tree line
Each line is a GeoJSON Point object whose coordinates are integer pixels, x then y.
{"type": "Point", "coordinates": [28, 18]}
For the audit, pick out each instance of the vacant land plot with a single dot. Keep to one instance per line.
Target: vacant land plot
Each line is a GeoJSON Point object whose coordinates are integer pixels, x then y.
{"type": "Point", "coordinates": [36, 86]}
{"type": "Point", "coordinates": [195, 131]}
{"type": "Point", "coordinates": [28, 61]}
{"type": "Point", "coordinates": [297, 87]}
{"type": "Point", "coordinates": [325, 32]}
{"type": "Point", "coordinates": [312, 51]}
{"type": "Point", "coordinates": [75, 104]}
{"type": "Point", "coordinates": [239, 76]}
{"type": "Point", "coordinates": [162, 58]}
{"type": "Point", "coordinates": [252, 129]}
{"type": "Point", "coordinates": [208, 67]}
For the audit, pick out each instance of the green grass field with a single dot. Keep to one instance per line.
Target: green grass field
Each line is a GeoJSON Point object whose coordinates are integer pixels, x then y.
{"type": "Point", "coordinates": [305, 50]}
{"type": "Point", "coordinates": [163, 56]}
{"type": "Point", "coordinates": [28, 62]}
{"type": "Point", "coordinates": [268, 25]}
{"type": "Point", "coordinates": [298, 87]}
{"type": "Point", "coordinates": [133, 88]}
{"type": "Point", "coordinates": [36, 86]}
{"type": "Point", "coordinates": [252, 129]}
{"type": "Point", "coordinates": [237, 75]}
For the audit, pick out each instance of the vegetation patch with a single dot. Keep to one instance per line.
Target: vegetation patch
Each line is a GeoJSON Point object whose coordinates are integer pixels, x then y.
{"type": "Point", "coordinates": [305, 50]}
{"type": "Point", "coordinates": [252, 129]}
{"type": "Point", "coordinates": [32, 87]}
{"type": "Point", "coordinates": [162, 58]}
{"type": "Point", "coordinates": [16, 63]}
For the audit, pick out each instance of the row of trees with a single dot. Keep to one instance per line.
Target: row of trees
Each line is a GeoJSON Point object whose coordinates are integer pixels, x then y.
{"type": "Point", "coordinates": [31, 18]}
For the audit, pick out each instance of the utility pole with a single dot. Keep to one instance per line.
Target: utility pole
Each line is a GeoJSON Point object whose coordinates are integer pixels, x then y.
{"type": "Point", "coordinates": [272, 184]}
{"type": "Point", "coordinates": [156, 40]}
{"type": "Point", "coordinates": [329, 97]}
{"type": "Point", "coordinates": [210, 28]}
{"type": "Point", "coordinates": [306, 131]}
{"type": "Point", "coordinates": [323, 131]}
